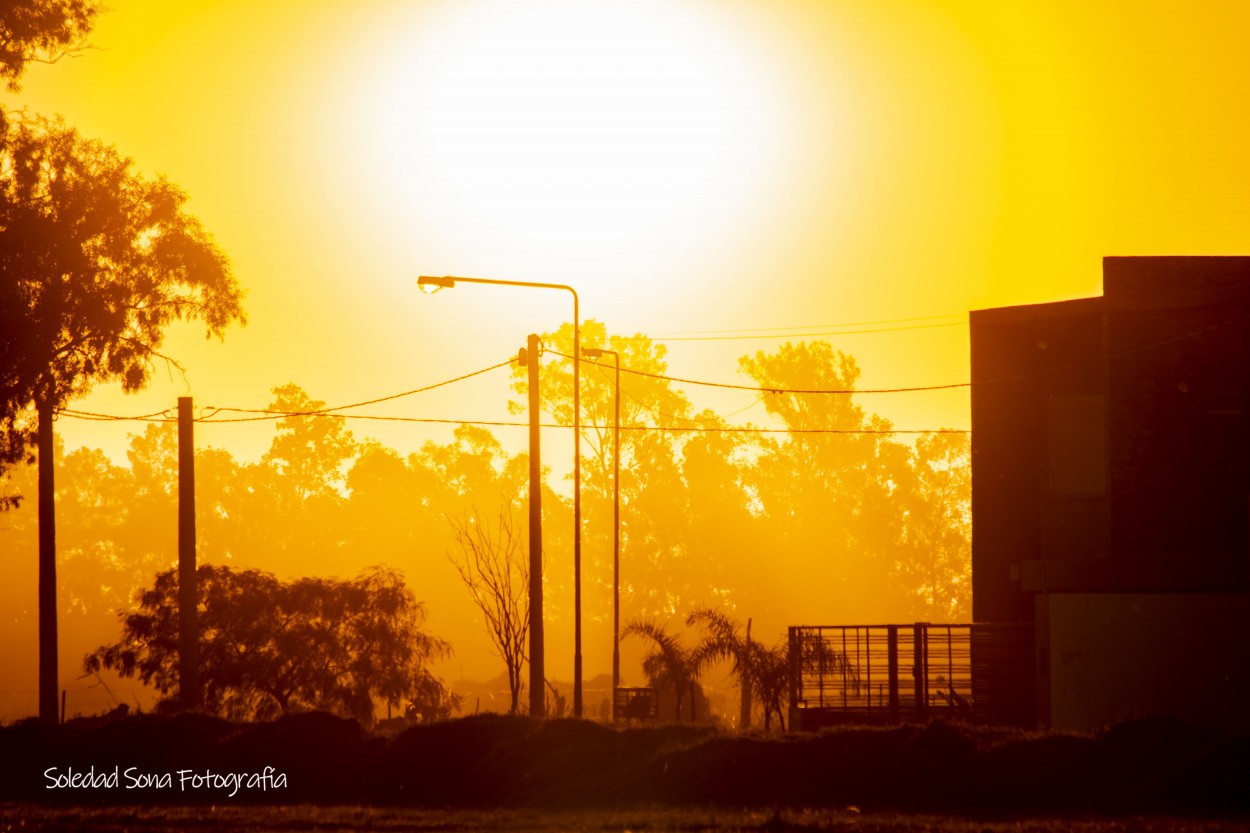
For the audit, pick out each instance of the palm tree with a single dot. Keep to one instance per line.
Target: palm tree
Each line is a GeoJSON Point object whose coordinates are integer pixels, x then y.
{"type": "Point", "coordinates": [770, 677]}
{"type": "Point", "coordinates": [757, 667]}
{"type": "Point", "coordinates": [721, 643]}
{"type": "Point", "coordinates": [670, 663]}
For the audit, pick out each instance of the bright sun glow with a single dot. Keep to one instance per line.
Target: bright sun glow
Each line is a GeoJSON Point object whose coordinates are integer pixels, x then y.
{"type": "Point", "coordinates": [600, 127]}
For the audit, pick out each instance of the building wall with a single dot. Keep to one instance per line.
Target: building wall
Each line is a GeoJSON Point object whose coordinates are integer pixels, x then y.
{"type": "Point", "coordinates": [1106, 658]}
{"type": "Point", "coordinates": [1111, 490]}
{"type": "Point", "coordinates": [1022, 365]}
{"type": "Point", "coordinates": [1179, 461]}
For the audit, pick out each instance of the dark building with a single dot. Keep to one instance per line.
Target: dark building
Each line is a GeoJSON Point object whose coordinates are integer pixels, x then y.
{"type": "Point", "coordinates": [1111, 490]}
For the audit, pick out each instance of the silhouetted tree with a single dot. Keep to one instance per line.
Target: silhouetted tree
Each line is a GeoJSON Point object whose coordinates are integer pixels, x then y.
{"type": "Point", "coordinates": [722, 642]}
{"type": "Point", "coordinates": [430, 700]}
{"type": "Point", "coordinates": [669, 663]}
{"type": "Point", "coordinates": [496, 574]}
{"type": "Point", "coordinates": [270, 647]}
{"type": "Point", "coordinates": [770, 679]}
{"type": "Point", "coordinates": [766, 670]}
{"type": "Point", "coordinates": [40, 30]}
{"type": "Point", "coordinates": [30, 30]}
{"type": "Point", "coordinates": [95, 262]}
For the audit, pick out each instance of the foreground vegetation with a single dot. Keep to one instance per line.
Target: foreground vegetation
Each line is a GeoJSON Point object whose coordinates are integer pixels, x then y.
{"type": "Point", "coordinates": [334, 819]}
{"type": "Point", "coordinates": [494, 762]}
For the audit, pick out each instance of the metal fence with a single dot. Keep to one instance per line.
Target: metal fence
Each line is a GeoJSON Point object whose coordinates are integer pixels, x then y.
{"type": "Point", "coordinates": [893, 673]}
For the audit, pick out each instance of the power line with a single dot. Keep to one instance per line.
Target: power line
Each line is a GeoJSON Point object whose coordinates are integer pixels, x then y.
{"type": "Point", "coordinates": [514, 424]}
{"type": "Point", "coordinates": [603, 372]}
{"type": "Point", "coordinates": [327, 413]}
{"type": "Point", "coordinates": [271, 414]}
{"type": "Point", "coordinates": [266, 414]}
{"type": "Point", "coordinates": [762, 389]}
{"type": "Point", "coordinates": [158, 416]}
{"type": "Point", "coordinates": [960, 315]}
{"type": "Point", "coordinates": [809, 335]}
{"type": "Point", "coordinates": [847, 391]}
{"type": "Point", "coordinates": [163, 416]}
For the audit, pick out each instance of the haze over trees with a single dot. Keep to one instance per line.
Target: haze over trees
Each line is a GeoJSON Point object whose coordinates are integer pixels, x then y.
{"type": "Point", "coordinates": [763, 522]}
{"type": "Point", "coordinates": [835, 527]}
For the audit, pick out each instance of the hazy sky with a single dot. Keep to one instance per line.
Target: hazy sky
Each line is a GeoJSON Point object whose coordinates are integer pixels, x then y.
{"type": "Point", "coordinates": [689, 166]}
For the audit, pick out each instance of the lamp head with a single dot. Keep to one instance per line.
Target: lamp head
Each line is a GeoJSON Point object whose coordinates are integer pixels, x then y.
{"type": "Point", "coordinates": [430, 285]}
{"type": "Point", "coordinates": [592, 352]}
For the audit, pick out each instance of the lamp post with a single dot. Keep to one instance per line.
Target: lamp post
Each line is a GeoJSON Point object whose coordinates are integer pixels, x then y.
{"type": "Point", "coordinates": [596, 353]}
{"type": "Point", "coordinates": [430, 285]}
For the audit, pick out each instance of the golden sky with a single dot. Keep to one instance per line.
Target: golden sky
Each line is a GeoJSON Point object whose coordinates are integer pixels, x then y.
{"type": "Point", "coordinates": [726, 168]}
{"type": "Point", "coordinates": [689, 166]}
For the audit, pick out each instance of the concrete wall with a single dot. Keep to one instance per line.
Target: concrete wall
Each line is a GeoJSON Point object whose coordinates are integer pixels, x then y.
{"type": "Point", "coordinates": [1105, 658]}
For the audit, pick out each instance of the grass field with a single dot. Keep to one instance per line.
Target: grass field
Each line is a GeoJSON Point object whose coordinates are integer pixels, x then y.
{"type": "Point", "coordinates": [294, 819]}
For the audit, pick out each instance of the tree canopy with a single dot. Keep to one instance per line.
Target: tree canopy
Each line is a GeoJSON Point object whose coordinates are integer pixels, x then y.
{"type": "Point", "coordinates": [270, 647]}
{"type": "Point", "coordinates": [40, 30]}
{"type": "Point", "coordinates": [95, 262]}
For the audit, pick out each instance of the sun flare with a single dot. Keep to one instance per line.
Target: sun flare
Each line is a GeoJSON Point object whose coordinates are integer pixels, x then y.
{"type": "Point", "coordinates": [592, 126]}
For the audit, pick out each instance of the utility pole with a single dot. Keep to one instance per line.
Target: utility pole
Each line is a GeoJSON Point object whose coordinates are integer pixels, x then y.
{"type": "Point", "coordinates": [431, 284]}
{"type": "Point", "coordinates": [744, 715]}
{"type": "Point", "coordinates": [616, 539]}
{"type": "Point", "coordinates": [188, 597]}
{"type": "Point", "coordinates": [47, 563]}
{"type": "Point", "coordinates": [599, 353]}
{"type": "Point", "coordinates": [577, 512]}
{"type": "Point", "coordinates": [538, 690]}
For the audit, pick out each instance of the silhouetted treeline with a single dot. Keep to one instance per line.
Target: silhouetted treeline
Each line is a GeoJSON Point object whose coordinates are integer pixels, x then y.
{"type": "Point", "coordinates": [818, 527]}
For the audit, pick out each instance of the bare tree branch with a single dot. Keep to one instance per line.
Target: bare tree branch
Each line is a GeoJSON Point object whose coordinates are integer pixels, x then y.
{"type": "Point", "coordinates": [497, 577]}
{"type": "Point", "coordinates": [75, 51]}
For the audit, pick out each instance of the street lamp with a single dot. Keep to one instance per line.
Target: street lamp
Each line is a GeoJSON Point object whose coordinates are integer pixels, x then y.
{"type": "Point", "coordinates": [596, 353]}
{"type": "Point", "coordinates": [430, 285]}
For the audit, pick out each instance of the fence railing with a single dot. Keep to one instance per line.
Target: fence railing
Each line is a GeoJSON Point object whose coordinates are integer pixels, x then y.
{"type": "Point", "coordinates": [982, 673]}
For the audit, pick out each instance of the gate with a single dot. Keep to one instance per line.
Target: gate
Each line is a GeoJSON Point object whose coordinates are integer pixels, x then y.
{"type": "Point", "coordinates": [973, 673]}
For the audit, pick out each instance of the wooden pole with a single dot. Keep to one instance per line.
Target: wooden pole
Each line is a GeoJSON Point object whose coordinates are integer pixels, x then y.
{"type": "Point", "coordinates": [538, 702]}
{"type": "Point", "coordinates": [188, 631]}
{"type": "Point", "coordinates": [47, 565]}
{"type": "Point", "coordinates": [577, 510]}
{"type": "Point", "coordinates": [744, 716]}
{"type": "Point", "coordinates": [616, 537]}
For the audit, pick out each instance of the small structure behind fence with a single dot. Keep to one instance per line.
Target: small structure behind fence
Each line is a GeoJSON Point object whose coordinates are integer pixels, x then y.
{"type": "Point", "coordinates": [975, 673]}
{"type": "Point", "coordinates": [640, 704]}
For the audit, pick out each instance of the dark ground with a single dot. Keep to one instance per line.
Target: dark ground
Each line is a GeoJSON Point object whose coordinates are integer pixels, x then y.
{"type": "Point", "coordinates": [563, 774]}
{"type": "Point", "coordinates": [296, 819]}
